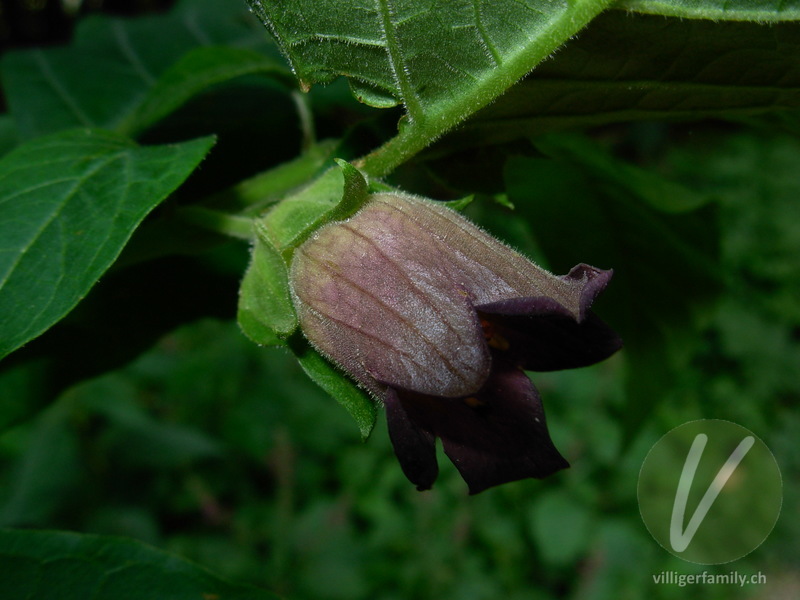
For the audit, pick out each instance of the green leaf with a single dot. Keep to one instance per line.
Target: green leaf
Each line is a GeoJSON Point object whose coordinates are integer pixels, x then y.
{"type": "Point", "coordinates": [68, 204]}
{"type": "Point", "coordinates": [254, 195]}
{"type": "Point", "coordinates": [216, 221]}
{"type": "Point", "coordinates": [34, 564]}
{"type": "Point", "coordinates": [460, 204]}
{"type": "Point", "coordinates": [442, 60]}
{"type": "Point", "coordinates": [357, 402]}
{"type": "Point", "coordinates": [266, 314]}
{"type": "Point", "coordinates": [625, 68]}
{"type": "Point", "coordinates": [662, 194]}
{"type": "Point", "coordinates": [135, 437]}
{"type": "Point", "coordinates": [109, 77]}
{"type": "Point", "coordinates": [8, 134]}
{"type": "Point", "coordinates": [196, 71]}
{"type": "Point", "coordinates": [761, 11]}
{"type": "Point", "coordinates": [47, 469]}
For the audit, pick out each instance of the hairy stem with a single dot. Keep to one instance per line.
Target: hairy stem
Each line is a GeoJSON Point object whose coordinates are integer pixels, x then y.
{"type": "Point", "coordinates": [420, 132]}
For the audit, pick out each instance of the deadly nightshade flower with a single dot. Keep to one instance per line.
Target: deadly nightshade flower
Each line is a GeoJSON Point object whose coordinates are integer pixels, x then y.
{"type": "Point", "coordinates": [438, 320]}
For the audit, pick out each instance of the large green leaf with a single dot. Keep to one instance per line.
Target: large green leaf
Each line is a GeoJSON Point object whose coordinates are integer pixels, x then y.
{"type": "Point", "coordinates": [8, 134]}
{"type": "Point", "coordinates": [111, 75]}
{"type": "Point", "coordinates": [49, 564]}
{"type": "Point", "coordinates": [68, 204]}
{"type": "Point", "coordinates": [627, 67]}
{"type": "Point", "coordinates": [198, 70]}
{"type": "Point", "coordinates": [662, 194]}
{"type": "Point", "coordinates": [442, 60]}
{"type": "Point", "coordinates": [762, 11]}
{"type": "Point", "coordinates": [47, 469]}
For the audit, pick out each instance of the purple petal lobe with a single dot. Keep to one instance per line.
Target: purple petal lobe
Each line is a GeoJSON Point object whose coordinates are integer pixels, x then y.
{"type": "Point", "coordinates": [415, 448]}
{"type": "Point", "coordinates": [526, 307]}
{"type": "Point", "coordinates": [496, 436]}
{"type": "Point", "coordinates": [542, 335]}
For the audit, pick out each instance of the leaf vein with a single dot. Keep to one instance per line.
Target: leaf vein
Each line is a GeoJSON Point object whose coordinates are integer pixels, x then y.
{"type": "Point", "coordinates": [396, 63]}
{"type": "Point", "coordinates": [124, 41]}
{"type": "Point", "coordinates": [189, 20]}
{"type": "Point", "coordinates": [345, 39]}
{"type": "Point", "coordinates": [37, 233]}
{"type": "Point", "coordinates": [486, 40]}
{"type": "Point", "coordinates": [61, 91]}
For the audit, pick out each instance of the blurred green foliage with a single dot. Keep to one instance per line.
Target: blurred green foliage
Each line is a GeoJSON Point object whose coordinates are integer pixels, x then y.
{"type": "Point", "coordinates": [224, 452]}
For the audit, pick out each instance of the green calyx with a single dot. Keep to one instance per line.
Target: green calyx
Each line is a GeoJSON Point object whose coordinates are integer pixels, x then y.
{"type": "Point", "coordinates": [266, 313]}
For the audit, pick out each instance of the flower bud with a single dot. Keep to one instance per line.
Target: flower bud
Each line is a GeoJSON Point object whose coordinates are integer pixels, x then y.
{"type": "Point", "coordinates": [438, 320]}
